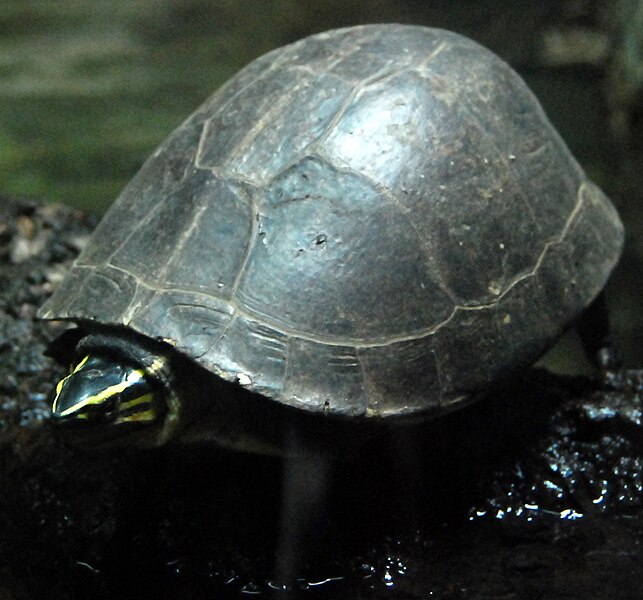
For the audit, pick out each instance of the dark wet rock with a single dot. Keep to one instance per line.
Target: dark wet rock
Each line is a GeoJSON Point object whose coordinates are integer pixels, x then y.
{"type": "Point", "coordinates": [535, 493]}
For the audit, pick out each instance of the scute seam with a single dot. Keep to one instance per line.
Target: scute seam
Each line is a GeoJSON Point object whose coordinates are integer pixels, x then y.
{"type": "Point", "coordinates": [522, 195]}
{"type": "Point", "coordinates": [358, 342]}
{"type": "Point", "coordinates": [393, 201]}
{"type": "Point", "coordinates": [254, 234]}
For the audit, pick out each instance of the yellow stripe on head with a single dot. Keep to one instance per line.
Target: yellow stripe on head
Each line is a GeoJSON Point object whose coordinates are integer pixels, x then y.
{"type": "Point", "coordinates": [61, 383]}
{"type": "Point", "coordinates": [99, 398]}
{"type": "Point", "coordinates": [146, 398]}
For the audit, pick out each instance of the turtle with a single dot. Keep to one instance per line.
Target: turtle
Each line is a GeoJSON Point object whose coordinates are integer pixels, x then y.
{"type": "Point", "coordinates": [374, 224]}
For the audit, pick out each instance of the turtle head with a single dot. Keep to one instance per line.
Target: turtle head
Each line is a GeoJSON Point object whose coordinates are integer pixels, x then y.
{"type": "Point", "coordinates": [117, 385]}
{"type": "Point", "coordinates": [101, 389]}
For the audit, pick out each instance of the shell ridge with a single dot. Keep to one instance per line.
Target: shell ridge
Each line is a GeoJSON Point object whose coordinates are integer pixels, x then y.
{"type": "Point", "coordinates": [254, 235]}
{"type": "Point", "coordinates": [334, 340]}
{"type": "Point", "coordinates": [333, 122]}
{"type": "Point", "coordinates": [544, 122]}
{"type": "Point", "coordinates": [328, 339]}
{"type": "Point", "coordinates": [223, 333]}
{"type": "Point", "coordinates": [383, 73]}
{"type": "Point", "coordinates": [233, 178]}
{"type": "Point", "coordinates": [522, 195]}
{"type": "Point", "coordinates": [204, 134]}
{"type": "Point", "coordinates": [424, 247]}
{"type": "Point", "coordinates": [134, 306]}
{"type": "Point", "coordinates": [185, 236]}
{"type": "Point", "coordinates": [592, 191]}
{"type": "Point", "coordinates": [405, 211]}
{"type": "Point", "coordinates": [432, 55]}
{"type": "Point", "coordinates": [239, 151]}
{"type": "Point", "coordinates": [137, 227]}
{"type": "Point", "coordinates": [222, 107]}
{"type": "Point", "coordinates": [373, 342]}
{"type": "Point", "coordinates": [558, 240]}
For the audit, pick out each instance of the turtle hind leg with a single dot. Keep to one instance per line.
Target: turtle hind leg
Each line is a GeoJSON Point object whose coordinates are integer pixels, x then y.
{"type": "Point", "coordinates": [594, 330]}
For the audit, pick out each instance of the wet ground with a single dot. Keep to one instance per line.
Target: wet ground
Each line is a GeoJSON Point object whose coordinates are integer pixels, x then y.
{"type": "Point", "coordinates": [535, 493]}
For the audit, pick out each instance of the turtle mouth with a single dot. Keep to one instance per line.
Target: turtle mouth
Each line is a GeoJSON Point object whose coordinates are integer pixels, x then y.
{"type": "Point", "coordinates": [94, 435]}
{"type": "Point", "coordinates": [115, 411]}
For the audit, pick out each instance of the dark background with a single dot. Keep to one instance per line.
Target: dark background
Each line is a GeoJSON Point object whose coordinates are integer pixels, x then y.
{"type": "Point", "coordinates": [88, 89]}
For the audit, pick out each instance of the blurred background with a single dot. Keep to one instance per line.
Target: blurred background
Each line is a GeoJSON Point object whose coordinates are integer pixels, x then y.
{"type": "Point", "coordinates": [88, 89]}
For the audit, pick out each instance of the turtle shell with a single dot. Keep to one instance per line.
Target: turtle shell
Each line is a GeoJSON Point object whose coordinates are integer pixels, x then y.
{"type": "Point", "coordinates": [377, 220]}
